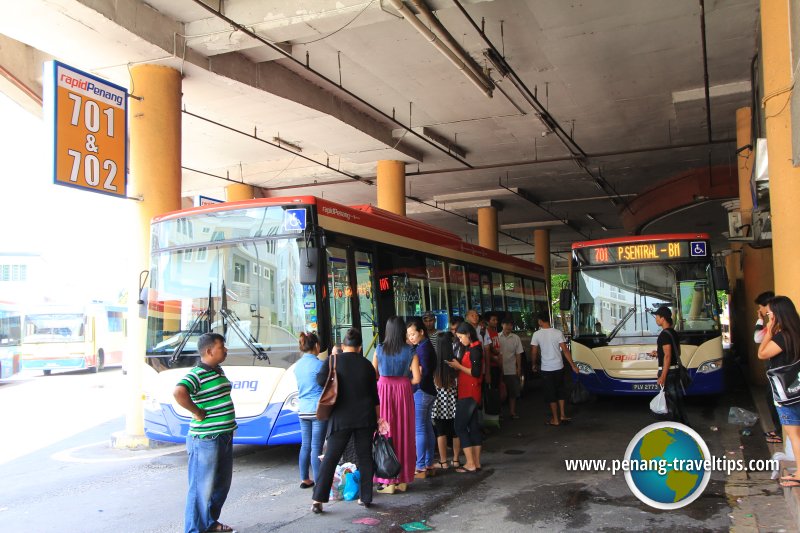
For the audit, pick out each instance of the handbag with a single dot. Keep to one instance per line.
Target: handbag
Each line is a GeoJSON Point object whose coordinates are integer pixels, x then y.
{"type": "Point", "coordinates": [683, 373]}
{"type": "Point", "coordinates": [785, 383]}
{"type": "Point", "coordinates": [580, 394]}
{"type": "Point", "coordinates": [327, 400]}
{"type": "Point", "coordinates": [387, 465]}
{"type": "Point", "coordinates": [659, 404]}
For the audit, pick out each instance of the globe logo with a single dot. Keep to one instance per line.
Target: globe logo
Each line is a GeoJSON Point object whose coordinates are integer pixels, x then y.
{"type": "Point", "coordinates": [669, 465]}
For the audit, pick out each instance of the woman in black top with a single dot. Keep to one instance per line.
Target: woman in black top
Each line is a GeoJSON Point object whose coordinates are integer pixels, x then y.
{"type": "Point", "coordinates": [355, 413]}
{"type": "Point", "coordinates": [669, 376]}
{"type": "Point", "coordinates": [470, 368]}
{"type": "Point", "coordinates": [781, 345]}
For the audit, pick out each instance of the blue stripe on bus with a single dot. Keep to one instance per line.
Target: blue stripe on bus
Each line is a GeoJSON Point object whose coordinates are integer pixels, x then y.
{"type": "Point", "coordinates": [44, 364]}
{"type": "Point", "coordinates": [601, 383]}
{"type": "Point", "coordinates": [276, 425]}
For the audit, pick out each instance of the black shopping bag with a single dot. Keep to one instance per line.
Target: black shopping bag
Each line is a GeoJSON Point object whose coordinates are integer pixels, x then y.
{"type": "Point", "coordinates": [387, 465]}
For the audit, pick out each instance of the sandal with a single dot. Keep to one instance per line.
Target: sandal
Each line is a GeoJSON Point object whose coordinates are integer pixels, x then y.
{"type": "Point", "coordinates": [462, 470]}
{"type": "Point", "coordinates": [772, 437]}
{"type": "Point", "coordinates": [455, 463]}
{"type": "Point", "coordinates": [222, 528]}
{"type": "Point", "coordinates": [442, 465]}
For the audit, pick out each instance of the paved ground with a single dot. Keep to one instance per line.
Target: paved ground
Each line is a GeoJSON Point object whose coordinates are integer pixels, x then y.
{"type": "Point", "coordinates": [78, 483]}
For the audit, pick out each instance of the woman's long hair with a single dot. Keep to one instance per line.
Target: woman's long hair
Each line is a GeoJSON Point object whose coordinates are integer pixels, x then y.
{"type": "Point", "coordinates": [465, 328]}
{"type": "Point", "coordinates": [785, 316]}
{"type": "Point", "coordinates": [444, 377]}
{"type": "Point", "coordinates": [418, 325]}
{"type": "Point", "coordinates": [395, 339]}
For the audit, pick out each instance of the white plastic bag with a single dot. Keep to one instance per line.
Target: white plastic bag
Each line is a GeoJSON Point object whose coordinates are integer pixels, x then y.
{"type": "Point", "coordinates": [659, 404]}
{"type": "Point", "coordinates": [741, 417]}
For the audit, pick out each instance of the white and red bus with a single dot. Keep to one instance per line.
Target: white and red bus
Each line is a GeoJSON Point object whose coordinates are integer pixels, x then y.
{"type": "Point", "coordinates": [617, 284]}
{"type": "Point", "coordinates": [73, 337]}
{"type": "Point", "coordinates": [262, 271]}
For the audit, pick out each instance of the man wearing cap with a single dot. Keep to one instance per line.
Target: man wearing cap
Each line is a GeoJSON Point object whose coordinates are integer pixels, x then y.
{"type": "Point", "coordinates": [668, 351]}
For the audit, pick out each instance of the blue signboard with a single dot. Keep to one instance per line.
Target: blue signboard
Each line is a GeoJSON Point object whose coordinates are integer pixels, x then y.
{"type": "Point", "coordinates": [294, 220]}
{"type": "Point", "coordinates": [697, 248]}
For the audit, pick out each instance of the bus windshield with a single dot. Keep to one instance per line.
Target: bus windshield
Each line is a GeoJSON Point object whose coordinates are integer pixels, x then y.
{"type": "Point", "coordinates": [232, 272]}
{"type": "Point", "coordinates": [621, 298]}
{"type": "Point", "coordinates": [54, 327]}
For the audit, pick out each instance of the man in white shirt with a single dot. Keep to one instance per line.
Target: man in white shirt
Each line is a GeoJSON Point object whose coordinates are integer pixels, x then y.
{"type": "Point", "coordinates": [511, 352]}
{"type": "Point", "coordinates": [549, 343]}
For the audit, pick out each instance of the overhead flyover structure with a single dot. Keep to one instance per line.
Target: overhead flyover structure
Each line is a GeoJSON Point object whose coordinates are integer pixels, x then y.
{"type": "Point", "coordinates": [577, 108]}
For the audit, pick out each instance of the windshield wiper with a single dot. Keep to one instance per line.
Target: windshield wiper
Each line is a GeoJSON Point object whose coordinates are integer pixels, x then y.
{"type": "Point", "coordinates": [208, 312]}
{"type": "Point", "coordinates": [230, 318]}
{"type": "Point", "coordinates": [619, 326]}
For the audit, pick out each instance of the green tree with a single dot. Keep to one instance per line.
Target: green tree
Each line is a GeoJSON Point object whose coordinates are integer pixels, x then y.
{"type": "Point", "coordinates": [556, 281]}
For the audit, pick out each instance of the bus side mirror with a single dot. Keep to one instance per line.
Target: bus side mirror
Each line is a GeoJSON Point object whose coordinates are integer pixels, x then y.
{"type": "Point", "coordinates": [565, 299]}
{"type": "Point", "coordinates": [142, 301]}
{"type": "Point", "coordinates": [309, 266]}
{"type": "Point", "coordinates": [721, 279]}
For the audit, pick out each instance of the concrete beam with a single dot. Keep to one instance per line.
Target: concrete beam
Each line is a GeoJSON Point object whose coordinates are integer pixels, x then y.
{"type": "Point", "coordinates": [21, 73]}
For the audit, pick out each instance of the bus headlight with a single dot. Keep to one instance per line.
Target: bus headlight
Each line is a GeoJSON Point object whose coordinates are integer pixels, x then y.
{"type": "Point", "coordinates": [292, 401]}
{"type": "Point", "coordinates": [583, 368]}
{"type": "Point", "coordinates": [710, 366]}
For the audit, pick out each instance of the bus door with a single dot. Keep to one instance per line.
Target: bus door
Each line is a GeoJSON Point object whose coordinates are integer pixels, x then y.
{"type": "Point", "coordinates": [366, 301]}
{"type": "Point", "coordinates": [340, 293]}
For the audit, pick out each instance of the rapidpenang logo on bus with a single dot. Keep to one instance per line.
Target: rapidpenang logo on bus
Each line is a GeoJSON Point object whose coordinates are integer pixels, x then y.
{"type": "Point", "coordinates": [669, 465]}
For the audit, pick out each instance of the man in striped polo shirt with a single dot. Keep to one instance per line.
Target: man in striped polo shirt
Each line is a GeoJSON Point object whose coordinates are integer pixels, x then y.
{"type": "Point", "coordinates": [206, 393]}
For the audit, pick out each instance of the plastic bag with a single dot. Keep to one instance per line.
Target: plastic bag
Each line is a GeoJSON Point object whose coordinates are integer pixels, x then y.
{"type": "Point", "coordinates": [339, 478]}
{"type": "Point", "coordinates": [387, 465]}
{"type": "Point", "coordinates": [659, 404]}
{"type": "Point", "coordinates": [352, 482]}
{"type": "Point", "coordinates": [580, 394]}
{"type": "Point", "coordinates": [741, 417]}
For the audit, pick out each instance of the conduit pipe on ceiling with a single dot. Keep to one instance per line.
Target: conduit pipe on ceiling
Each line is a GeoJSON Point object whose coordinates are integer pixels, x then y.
{"type": "Point", "coordinates": [451, 43]}
{"type": "Point", "coordinates": [483, 85]}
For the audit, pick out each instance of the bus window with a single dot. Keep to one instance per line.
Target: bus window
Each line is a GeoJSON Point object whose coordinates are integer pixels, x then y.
{"type": "Point", "coordinates": [456, 283]}
{"type": "Point", "coordinates": [541, 303]}
{"type": "Point", "coordinates": [437, 292]}
{"type": "Point", "coordinates": [340, 294]}
{"type": "Point", "coordinates": [366, 301]}
{"type": "Point", "coordinates": [497, 292]}
{"type": "Point", "coordinates": [474, 292]}
{"type": "Point", "coordinates": [514, 299]}
{"type": "Point", "coordinates": [486, 293]}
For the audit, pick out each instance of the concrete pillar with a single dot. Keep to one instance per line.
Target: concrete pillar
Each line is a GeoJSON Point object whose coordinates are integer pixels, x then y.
{"type": "Point", "coordinates": [541, 250]}
{"type": "Point", "coordinates": [784, 179]}
{"type": "Point", "coordinates": [756, 273]}
{"type": "Point", "coordinates": [392, 186]}
{"type": "Point", "coordinates": [487, 227]}
{"type": "Point", "coordinates": [155, 175]}
{"type": "Point", "coordinates": [238, 191]}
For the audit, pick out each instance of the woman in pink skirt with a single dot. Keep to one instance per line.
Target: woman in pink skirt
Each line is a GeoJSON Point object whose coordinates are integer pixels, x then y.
{"type": "Point", "coordinates": [397, 368]}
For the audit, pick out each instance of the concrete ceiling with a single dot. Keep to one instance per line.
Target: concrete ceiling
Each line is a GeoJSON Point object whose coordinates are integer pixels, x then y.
{"type": "Point", "coordinates": [621, 76]}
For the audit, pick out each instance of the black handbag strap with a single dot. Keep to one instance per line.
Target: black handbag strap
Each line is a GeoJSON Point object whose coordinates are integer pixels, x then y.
{"type": "Point", "coordinates": [675, 345]}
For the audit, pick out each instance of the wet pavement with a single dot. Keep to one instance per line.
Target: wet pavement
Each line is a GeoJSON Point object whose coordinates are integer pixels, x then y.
{"type": "Point", "coordinates": [81, 484]}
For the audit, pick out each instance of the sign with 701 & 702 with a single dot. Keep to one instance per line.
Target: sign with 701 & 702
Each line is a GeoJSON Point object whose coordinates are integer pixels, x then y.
{"type": "Point", "coordinates": [89, 120]}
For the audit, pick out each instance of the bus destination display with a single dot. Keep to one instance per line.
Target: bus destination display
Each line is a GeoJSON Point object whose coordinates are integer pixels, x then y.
{"type": "Point", "coordinates": [638, 252]}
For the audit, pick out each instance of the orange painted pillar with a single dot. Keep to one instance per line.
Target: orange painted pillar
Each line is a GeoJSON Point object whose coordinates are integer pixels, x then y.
{"type": "Point", "coordinates": [155, 176]}
{"type": "Point", "coordinates": [238, 191]}
{"type": "Point", "coordinates": [784, 178]}
{"type": "Point", "coordinates": [392, 186]}
{"type": "Point", "coordinates": [541, 250]}
{"type": "Point", "coordinates": [756, 263]}
{"type": "Point", "coordinates": [487, 227]}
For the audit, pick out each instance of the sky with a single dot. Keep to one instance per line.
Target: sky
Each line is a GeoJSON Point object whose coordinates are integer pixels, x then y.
{"type": "Point", "coordinates": [80, 234]}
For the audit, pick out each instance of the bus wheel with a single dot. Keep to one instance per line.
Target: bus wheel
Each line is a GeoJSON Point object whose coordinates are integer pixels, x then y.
{"type": "Point", "coordinates": [47, 372]}
{"type": "Point", "coordinates": [100, 364]}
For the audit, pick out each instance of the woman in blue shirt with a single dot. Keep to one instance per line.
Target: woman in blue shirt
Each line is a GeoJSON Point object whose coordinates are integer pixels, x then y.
{"type": "Point", "coordinates": [312, 430]}
{"type": "Point", "coordinates": [417, 335]}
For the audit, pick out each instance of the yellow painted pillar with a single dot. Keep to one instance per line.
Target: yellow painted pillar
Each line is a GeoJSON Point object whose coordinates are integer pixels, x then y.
{"type": "Point", "coordinates": [392, 186]}
{"type": "Point", "coordinates": [238, 191]}
{"type": "Point", "coordinates": [756, 263]}
{"type": "Point", "coordinates": [541, 251]}
{"type": "Point", "coordinates": [487, 227]}
{"type": "Point", "coordinates": [155, 176]}
{"type": "Point", "coordinates": [784, 179]}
